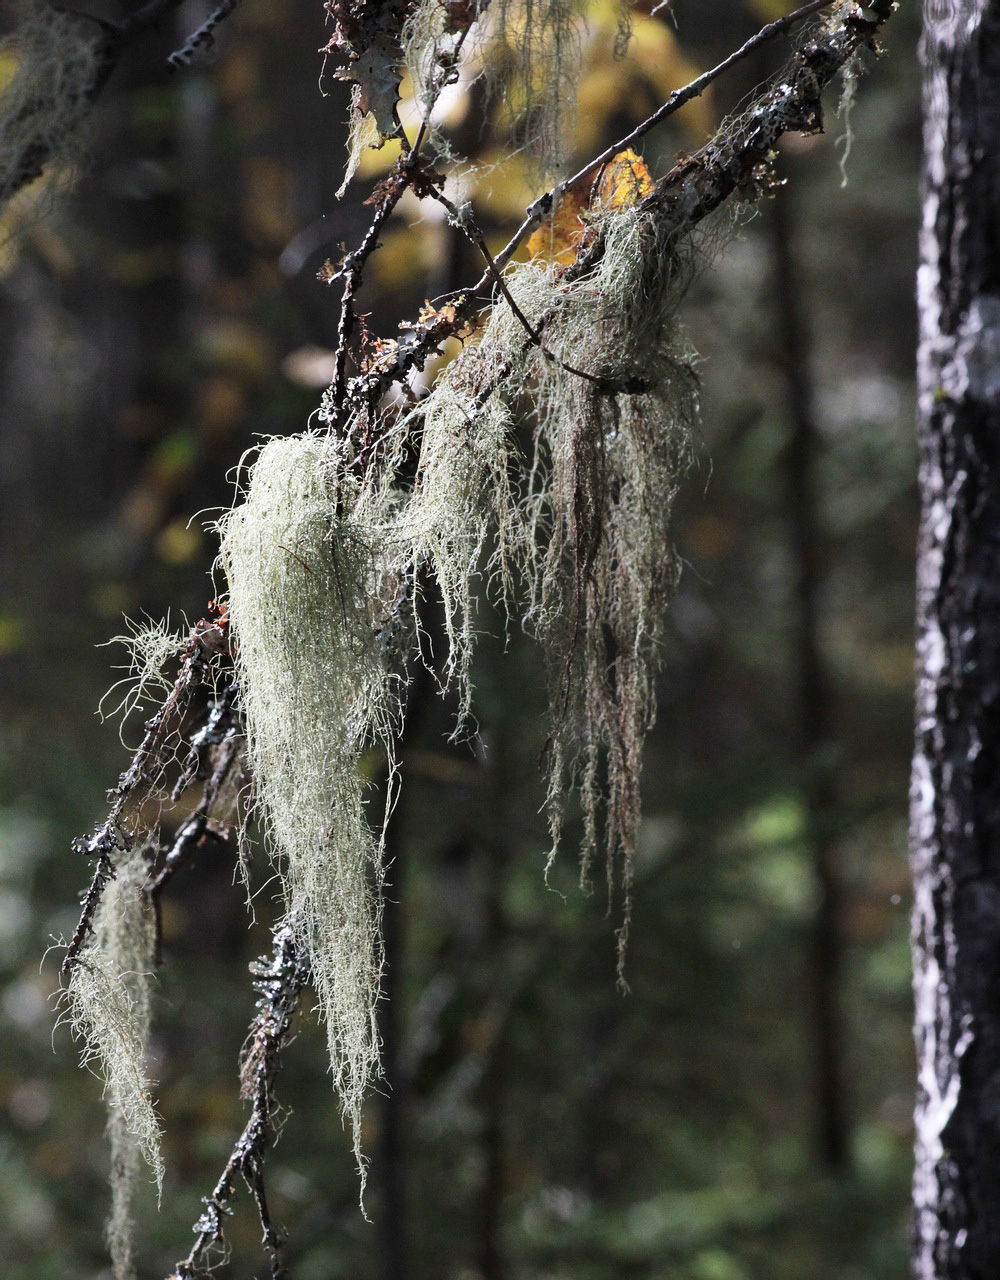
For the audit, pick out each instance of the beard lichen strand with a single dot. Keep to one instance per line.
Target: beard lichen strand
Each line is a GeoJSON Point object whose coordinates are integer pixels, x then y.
{"type": "Point", "coordinates": [576, 538]}
{"type": "Point", "coordinates": [529, 53]}
{"type": "Point", "coordinates": [61, 59]}
{"type": "Point", "coordinates": [107, 1005]}
{"type": "Point", "coordinates": [464, 501]}
{"type": "Point", "coordinates": [304, 556]}
{"type": "Point", "coordinates": [608, 569]}
{"type": "Point", "coordinates": [126, 1166]}
{"type": "Point", "coordinates": [590, 526]}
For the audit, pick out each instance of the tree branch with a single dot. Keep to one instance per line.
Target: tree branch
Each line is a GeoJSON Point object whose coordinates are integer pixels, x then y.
{"type": "Point", "coordinates": [115, 40]}
{"type": "Point", "coordinates": [691, 191]}
{"type": "Point", "coordinates": [205, 647]}
{"type": "Point", "coordinates": [278, 981]}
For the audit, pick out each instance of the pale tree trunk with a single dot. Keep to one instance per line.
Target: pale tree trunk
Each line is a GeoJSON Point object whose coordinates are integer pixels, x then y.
{"type": "Point", "coordinates": [956, 771]}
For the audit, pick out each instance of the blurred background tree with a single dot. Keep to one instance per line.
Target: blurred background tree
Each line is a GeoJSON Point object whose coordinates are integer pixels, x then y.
{"type": "Point", "coordinates": [745, 1113]}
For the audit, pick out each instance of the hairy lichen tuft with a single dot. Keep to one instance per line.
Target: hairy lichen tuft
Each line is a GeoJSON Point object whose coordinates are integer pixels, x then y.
{"type": "Point", "coordinates": [107, 1005]}
{"type": "Point", "coordinates": [303, 555]}
{"type": "Point", "coordinates": [61, 59]}
{"type": "Point", "coordinates": [615, 402]}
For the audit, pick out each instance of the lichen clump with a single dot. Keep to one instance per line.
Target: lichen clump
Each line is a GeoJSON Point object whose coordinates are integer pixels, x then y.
{"type": "Point", "coordinates": [587, 528]}
{"type": "Point", "coordinates": [303, 556]}
{"type": "Point", "coordinates": [61, 58]}
{"type": "Point", "coordinates": [108, 1006]}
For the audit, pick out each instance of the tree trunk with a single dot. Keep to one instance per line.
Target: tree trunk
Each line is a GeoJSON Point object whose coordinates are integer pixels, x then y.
{"type": "Point", "coordinates": [956, 770]}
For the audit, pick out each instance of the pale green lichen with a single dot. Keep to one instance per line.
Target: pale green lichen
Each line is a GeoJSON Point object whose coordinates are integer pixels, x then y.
{"type": "Point", "coordinates": [303, 555]}
{"type": "Point", "coordinates": [322, 555]}
{"type": "Point", "coordinates": [43, 109]}
{"type": "Point", "coordinates": [152, 646]}
{"type": "Point", "coordinates": [589, 526]}
{"type": "Point", "coordinates": [108, 1006]}
{"type": "Point", "coordinates": [464, 496]}
{"type": "Point", "coordinates": [126, 1168]}
{"type": "Point", "coordinates": [614, 465]}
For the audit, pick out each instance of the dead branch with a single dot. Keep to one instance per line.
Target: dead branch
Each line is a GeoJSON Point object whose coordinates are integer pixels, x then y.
{"type": "Point", "coordinates": [692, 190]}
{"type": "Point", "coordinates": [203, 654]}
{"type": "Point", "coordinates": [278, 981]}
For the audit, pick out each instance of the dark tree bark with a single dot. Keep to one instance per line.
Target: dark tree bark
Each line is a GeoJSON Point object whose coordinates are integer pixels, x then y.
{"type": "Point", "coordinates": [956, 771]}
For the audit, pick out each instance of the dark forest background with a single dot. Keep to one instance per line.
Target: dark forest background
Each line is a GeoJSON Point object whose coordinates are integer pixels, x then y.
{"type": "Point", "coordinates": [743, 1114]}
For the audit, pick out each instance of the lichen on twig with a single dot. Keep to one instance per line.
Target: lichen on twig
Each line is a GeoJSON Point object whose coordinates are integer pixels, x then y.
{"type": "Point", "coordinates": [278, 980]}
{"type": "Point", "coordinates": [333, 531]}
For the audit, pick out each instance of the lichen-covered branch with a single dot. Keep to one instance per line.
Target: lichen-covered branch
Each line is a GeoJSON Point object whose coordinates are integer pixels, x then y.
{"type": "Point", "coordinates": [278, 981]}
{"type": "Point", "coordinates": [204, 652]}
{"type": "Point", "coordinates": [730, 163]}
{"type": "Point", "coordinates": [335, 529]}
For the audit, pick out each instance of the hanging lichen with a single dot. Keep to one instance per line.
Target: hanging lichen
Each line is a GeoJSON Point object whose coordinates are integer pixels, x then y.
{"type": "Point", "coordinates": [603, 503]}
{"type": "Point", "coordinates": [107, 1005]}
{"type": "Point", "coordinates": [303, 556]}
{"type": "Point", "coordinates": [61, 59]}
{"type": "Point", "coordinates": [615, 400]}
{"type": "Point", "coordinates": [529, 54]}
{"type": "Point", "coordinates": [464, 495]}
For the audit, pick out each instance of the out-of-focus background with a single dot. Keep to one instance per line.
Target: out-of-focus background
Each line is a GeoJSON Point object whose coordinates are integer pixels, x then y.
{"type": "Point", "coordinates": [743, 1114]}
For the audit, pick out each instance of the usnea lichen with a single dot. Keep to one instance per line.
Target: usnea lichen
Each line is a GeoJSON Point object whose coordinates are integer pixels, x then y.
{"type": "Point", "coordinates": [529, 55]}
{"type": "Point", "coordinates": [107, 1005]}
{"type": "Point", "coordinates": [610, 467]}
{"type": "Point", "coordinates": [61, 57]}
{"type": "Point", "coordinates": [589, 525]}
{"type": "Point", "coordinates": [465, 495]}
{"type": "Point", "coordinates": [152, 646]}
{"type": "Point", "coordinates": [303, 557]}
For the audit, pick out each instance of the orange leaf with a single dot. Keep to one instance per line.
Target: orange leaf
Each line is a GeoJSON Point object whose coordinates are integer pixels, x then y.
{"type": "Point", "coordinates": [622, 182]}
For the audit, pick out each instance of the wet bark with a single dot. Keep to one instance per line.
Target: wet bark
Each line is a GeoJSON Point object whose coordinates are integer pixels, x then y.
{"type": "Point", "coordinates": [955, 798]}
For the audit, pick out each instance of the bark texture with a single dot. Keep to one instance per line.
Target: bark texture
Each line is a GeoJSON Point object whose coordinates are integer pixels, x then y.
{"type": "Point", "coordinates": [956, 771]}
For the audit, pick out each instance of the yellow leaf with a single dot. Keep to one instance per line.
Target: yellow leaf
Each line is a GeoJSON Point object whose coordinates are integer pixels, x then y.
{"type": "Point", "coordinates": [557, 238]}
{"type": "Point", "coordinates": [620, 184]}
{"type": "Point", "coordinates": [624, 182]}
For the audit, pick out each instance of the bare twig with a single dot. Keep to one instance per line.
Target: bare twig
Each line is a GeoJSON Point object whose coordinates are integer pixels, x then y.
{"type": "Point", "coordinates": [202, 40]}
{"type": "Point", "coordinates": [278, 980]}
{"type": "Point", "coordinates": [221, 740]}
